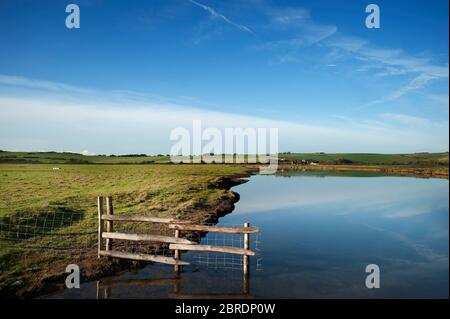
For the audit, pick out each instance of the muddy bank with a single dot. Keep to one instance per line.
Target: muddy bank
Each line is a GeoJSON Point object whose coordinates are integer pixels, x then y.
{"type": "Point", "coordinates": [435, 172]}
{"type": "Point", "coordinates": [93, 268]}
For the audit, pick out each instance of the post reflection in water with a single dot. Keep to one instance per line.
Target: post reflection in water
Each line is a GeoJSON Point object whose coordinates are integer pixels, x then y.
{"type": "Point", "coordinates": [106, 287]}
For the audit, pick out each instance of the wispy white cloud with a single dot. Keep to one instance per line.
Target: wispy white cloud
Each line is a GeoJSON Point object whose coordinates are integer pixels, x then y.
{"type": "Point", "coordinates": [406, 119]}
{"type": "Point", "coordinates": [389, 120]}
{"type": "Point", "coordinates": [383, 58]}
{"type": "Point", "coordinates": [390, 62]}
{"type": "Point", "coordinates": [289, 16]}
{"type": "Point", "coordinates": [300, 30]}
{"type": "Point", "coordinates": [305, 39]}
{"type": "Point", "coordinates": [290, 30]}
{"type": "Point", "coordinates": [418, 82]}
{"type": "Point", "coordinates": [218, 15]}
{"type": "Point", "coordinates": [120, 124]}
{"type": "Point", "coordinates": [72, 91]}
{"type": "Point", "coordinates": [442, 99]}
{"type": "Point", "coordinates": [342, 117]}
{"type": "Point", "coordinates": [21, 81]}
{"type": "Point", "coordinates": [297, 28]}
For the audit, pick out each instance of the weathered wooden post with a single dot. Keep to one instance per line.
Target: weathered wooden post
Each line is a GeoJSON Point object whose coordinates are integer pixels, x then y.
{"type": "Point", "coordinates": [246, 260]}
{"type": "Point", "coordinates": [109, 223]}
{"type": "Point", "coordinates": [98, 289]}
{"type": "Point", "coordinates": [100, 223]}
{"type": "Point", "coordinates": [107, 292]}
{"type": "Point", "coordinates": [176, 254]}
{"type": "Point", "coordinates": [177, 289]}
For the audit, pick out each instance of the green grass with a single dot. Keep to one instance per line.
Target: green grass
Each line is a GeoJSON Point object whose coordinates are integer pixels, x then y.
{"type": "Point", "coordinates": [159, 187]}
{"type": "Point", "coordinates": [34, 190]}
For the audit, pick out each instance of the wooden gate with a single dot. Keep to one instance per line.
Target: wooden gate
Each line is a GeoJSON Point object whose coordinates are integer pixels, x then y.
{"type": "Point", "coordinates": [106, 235]}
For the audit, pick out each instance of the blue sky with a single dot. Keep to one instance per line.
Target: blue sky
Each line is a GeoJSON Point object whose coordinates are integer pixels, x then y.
{"type": "Point", "coordinates": [310, 68]}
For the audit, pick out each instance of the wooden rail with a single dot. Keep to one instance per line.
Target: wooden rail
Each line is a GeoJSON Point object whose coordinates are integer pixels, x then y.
{"type": "Point", "coordinates": [211, 248]}
{"type": "Point", "coordinates": [176, 243]}
{"type": "Point", "coordinates": [137, 219]}
{"type": "Point", "coordinates": [144, 257]}
{"type": "Point", "coordinates": [157, 238]}
{"type": "Point", "coordinates": [215, 229]}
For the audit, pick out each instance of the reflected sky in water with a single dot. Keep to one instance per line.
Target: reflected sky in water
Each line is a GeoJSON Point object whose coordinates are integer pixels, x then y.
{"type": "Point", "coordinates": [319, 231]}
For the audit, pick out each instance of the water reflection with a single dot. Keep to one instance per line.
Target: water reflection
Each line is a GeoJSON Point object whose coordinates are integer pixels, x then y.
{"type": "Point", "coordinates": [105, 288]}
{"type": "Point", "coordinates": [319, 233]}
{"type": "Point", "coordinates": [395, 197]}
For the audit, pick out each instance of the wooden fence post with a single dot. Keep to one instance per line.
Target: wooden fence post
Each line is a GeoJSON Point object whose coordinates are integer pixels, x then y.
{"type": "Point", "coordinates": [100, 223]}
{"type": "Point", "coordinates": [177, 286]}
{"type": "Point", "coordinates": [98, 289]}
{"type": "Point", "coordinates": [246, 259]}
{"type": "Point", "coordinates": [107, 292]}
{"type": "Point", "coordinates": [176, 254]}
{"type": "Point", "coordinates": [246, 262]}
{"type": "Point", "coordinates": [109, 223]}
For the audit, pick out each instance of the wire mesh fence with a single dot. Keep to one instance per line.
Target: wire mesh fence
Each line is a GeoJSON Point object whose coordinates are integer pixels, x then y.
{"type": "Point", "coordinates": [223, 261]}
{"type": "Point", "coordinates": [68, 232]}
{"type": "Point", "coordinates": [56, 231]}
{"type": "Point", "coordinates": [18, 228]}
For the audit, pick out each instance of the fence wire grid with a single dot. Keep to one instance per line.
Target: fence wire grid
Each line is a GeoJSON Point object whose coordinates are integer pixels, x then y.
{"type": "Point", "coordinates": [58, 232]}
{"type": "Point", "coordinates": [46, 231]}
{"type": "Point", "coordinates": [203, 259]}
{"type": "Point", "coordinates": [214, 260]}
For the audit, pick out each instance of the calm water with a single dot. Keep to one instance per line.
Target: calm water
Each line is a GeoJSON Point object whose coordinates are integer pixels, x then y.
{"type": "Point", "coordinates": [318, 233]}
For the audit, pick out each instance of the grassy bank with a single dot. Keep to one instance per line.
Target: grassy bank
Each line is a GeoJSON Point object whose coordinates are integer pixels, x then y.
{"type": "Point", "coordinates": [30, 193]}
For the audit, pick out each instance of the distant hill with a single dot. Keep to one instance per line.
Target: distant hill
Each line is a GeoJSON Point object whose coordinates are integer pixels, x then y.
{"type": "Point", "coordinates": [413, 159]}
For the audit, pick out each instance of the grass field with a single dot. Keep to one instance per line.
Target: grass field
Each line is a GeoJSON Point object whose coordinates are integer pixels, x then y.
{"type": "Point", "coordinates": [33, 191]}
